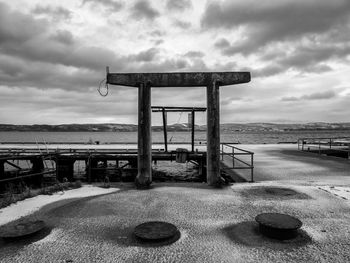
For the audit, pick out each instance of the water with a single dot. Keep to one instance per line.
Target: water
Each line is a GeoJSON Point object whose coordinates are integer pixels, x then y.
{"type": "Point", "coordinates": [177, 137]}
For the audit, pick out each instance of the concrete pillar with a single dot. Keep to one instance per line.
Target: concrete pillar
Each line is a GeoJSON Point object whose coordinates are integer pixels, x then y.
{"type": "Point", "coordinates": [213, 134]}
{"type": "Point", "coordinates": [144, 139]}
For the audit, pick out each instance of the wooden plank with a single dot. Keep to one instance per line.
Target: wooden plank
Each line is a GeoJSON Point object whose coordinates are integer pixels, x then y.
{"type": "Point", "coordinates": [178, 79]}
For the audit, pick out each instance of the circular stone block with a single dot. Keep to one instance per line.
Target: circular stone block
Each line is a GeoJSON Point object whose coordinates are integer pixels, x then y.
{"type": "Point", "coordinates": [279, 226]}
{"type": "Point", "coordinates": [21, 229]}
{"type": "Point", "coordinates": [155, 231]}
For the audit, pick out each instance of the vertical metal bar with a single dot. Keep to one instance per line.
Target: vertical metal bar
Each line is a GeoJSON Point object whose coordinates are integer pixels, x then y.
{"type": "Point", "coordinates": [252, 167]}
{"type": "Point", "coordinates": [89, 168]}
{"type": "Point", "coordinates": [233, 157]}
{"type": "Point", "coordinates": [165, 129]}
{"type": "Point", "coordinates": [319, 147]}
{"type": "Point", "coordinates": [222, 151]}
{"type": "Point", "coordinates": [330, 143]}
{"type": "Point", "coordinates": [193, 122]}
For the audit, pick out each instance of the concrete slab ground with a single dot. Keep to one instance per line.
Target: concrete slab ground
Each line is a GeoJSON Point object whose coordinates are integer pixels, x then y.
{"type": "Point", "coordinates": [283, 162]}
{"type": "Point", "coordinates": [216, 225]}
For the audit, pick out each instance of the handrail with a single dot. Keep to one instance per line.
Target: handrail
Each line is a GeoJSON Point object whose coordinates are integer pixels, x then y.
{"type": "Point", "coordinates": [233, 156]}
{"type": "Point", "coordinates": [321, 143]}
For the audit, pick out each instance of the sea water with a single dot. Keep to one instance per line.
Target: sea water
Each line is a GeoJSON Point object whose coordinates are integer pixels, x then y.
{"type": "Point", "coordinates": [158, 137]}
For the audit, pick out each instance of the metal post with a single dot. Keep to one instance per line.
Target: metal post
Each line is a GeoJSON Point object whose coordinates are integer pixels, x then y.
{"type": "Point", "coordinates": [144, 141]}
{"type": "Point", "coordinates": [330, 143]}
{"type": "Point", "coordinates": [252, 167]}
{"type": "Point", "coordinates": [319, 147]}
{"type": "Point", "coordinates": [89, 168]}
{"type": "Point", "coordinates": [213, 134]}
{"type": "Point", "coordinates": [222, 152]}
{"type": "Point", "coordinates": [165, 129]}
{"type": "Point", "coordinates": [192, 135]}
{"type": "Point", "coordinates": [233, 156]}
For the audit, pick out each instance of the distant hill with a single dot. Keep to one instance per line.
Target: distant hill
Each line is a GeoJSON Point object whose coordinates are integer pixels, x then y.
{"type": "Point", "coordinates": [226, 127]}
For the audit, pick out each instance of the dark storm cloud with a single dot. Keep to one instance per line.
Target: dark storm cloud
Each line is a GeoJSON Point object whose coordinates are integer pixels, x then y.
{"type": "Point", "coordinates": [63, 36]}
{"type": "Point", "coordinates": [55, 12]}
{"type": "Point", "coordinates": [144, 10]}
{"type": "Point", "coordinates": [20, 29]}
{"type": "Point", "coordinates": [178, 5]}
{"type": "Point", "coordinates": [313, 96]}
{"type": "Point", "coordinates": [222, 43]}
{"type": "Point", "coordinates": [311, 55]}
{"type": "Point", "coordinates": [272, 21]}
{"type": "Point", "coordinates": [305, 58]}
{"type": "Point", "coordinates": [24, 36]}
{"type": "Point", "coordinates": [194, 54]}
{"type": "Point", "coordinates": [109, 4]}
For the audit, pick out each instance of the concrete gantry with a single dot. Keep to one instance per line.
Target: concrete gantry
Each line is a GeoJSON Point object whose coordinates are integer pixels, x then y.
{"type": "Point", "coordinates": [145, 81]}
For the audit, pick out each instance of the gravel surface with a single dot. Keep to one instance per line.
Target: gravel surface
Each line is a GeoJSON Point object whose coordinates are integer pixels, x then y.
{"type": "Point", "coordinates": [216, 225]}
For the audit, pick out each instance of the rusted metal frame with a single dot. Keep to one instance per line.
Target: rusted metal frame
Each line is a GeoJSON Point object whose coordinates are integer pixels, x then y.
{"type": "Point", "coordinates": [25, 176]}
{"type": "Point", "coordinates": [176, 109]}
{"type": "Point", "coordinates": [13, 165]}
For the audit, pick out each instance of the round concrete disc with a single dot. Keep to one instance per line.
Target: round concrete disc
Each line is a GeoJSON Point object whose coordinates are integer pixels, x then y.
{"type": "Point", "coordinates": [278, 221]}
{"type": "Point", "coordinates": [155, 231]}
{"type": "Point", "coordinates": [21, 229]}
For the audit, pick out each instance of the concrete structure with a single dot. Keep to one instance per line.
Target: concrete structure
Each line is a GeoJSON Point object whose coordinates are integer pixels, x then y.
{"type": "Point", "coordinates": [144, 82]}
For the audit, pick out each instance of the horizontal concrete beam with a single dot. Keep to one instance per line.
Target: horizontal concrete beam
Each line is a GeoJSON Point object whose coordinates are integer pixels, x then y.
{"type": "Point", "coordinates": [178, 79]}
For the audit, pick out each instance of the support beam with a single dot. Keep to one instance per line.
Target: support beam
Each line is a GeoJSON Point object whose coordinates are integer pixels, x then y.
{"type": "Point", "coordinates": [144, 139]}
{"type": "Point", "coordinates": [213, 134]}
{"type": "Point", "coordinates": [177, 79]}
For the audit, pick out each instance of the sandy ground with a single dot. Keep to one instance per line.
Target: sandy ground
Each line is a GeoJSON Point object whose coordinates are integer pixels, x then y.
{"type": "Point", "coordinates": [216, 225]}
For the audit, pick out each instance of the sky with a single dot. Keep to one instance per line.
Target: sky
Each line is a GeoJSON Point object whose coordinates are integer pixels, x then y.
{"type": "Point", "coordinates": [53, 56]}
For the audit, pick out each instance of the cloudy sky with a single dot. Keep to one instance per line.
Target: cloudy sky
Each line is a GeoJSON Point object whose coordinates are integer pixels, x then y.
{"type": "Point", "coordinates": [53, 56]}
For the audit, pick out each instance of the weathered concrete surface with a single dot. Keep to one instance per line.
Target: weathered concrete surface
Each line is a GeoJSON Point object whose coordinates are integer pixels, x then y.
{"type": "Point", "coordinates": [178, 79]}
{"type": "Point", "coordinates": [217, 225]}
{"type": "Point", "coordinates": [213, 134]}
{"type": "Point", "coordinates": [283, 162]}
{"type": "Point", "coordinates": [144, 137]}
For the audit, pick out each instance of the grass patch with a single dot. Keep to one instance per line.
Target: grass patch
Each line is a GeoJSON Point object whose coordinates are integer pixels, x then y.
{"type": "Point", "coordinates": [15, 193]}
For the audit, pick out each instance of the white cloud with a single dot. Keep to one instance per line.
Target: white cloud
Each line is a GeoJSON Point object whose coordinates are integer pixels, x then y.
{"type": "Point", "coordinates": [53, 55]}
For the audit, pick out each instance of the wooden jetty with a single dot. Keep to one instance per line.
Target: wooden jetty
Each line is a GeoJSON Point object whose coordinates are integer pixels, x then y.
{"type": "Point", "coordinates": [95, 158]}
{"type": "Point", "coordinates": [106, 160]}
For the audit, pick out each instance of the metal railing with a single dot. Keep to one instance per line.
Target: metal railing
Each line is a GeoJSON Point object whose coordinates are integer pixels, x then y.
{"type": "Point", "coordinates": [232, 152]}
{"type": "Point", "coordinates": [339, 144]}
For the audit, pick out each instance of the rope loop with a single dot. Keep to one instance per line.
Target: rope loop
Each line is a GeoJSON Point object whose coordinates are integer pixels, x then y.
{"type": "Point", "coordinates": [105, 86]}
